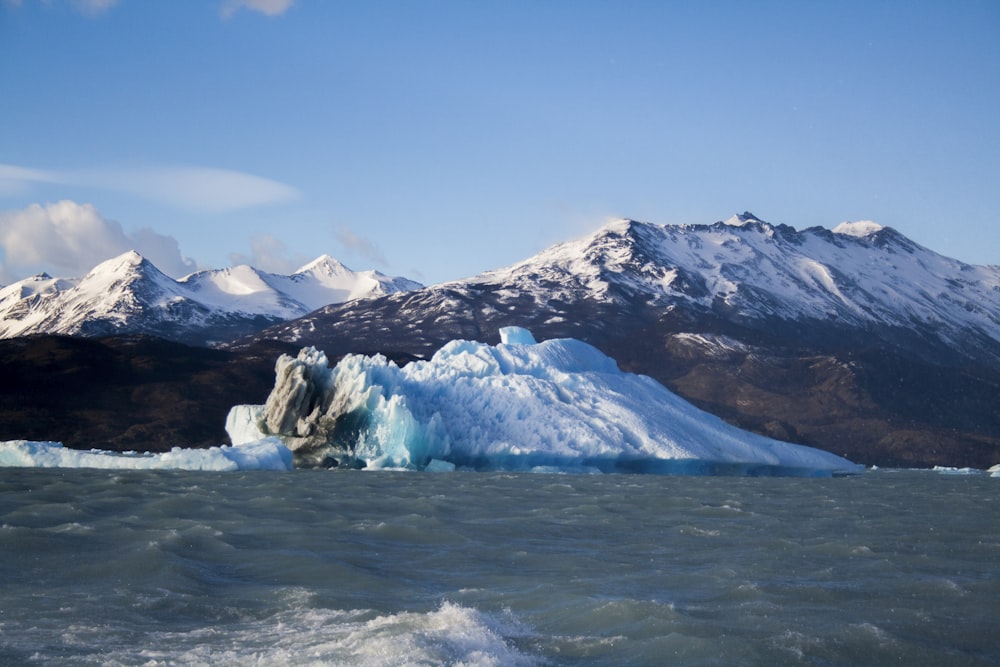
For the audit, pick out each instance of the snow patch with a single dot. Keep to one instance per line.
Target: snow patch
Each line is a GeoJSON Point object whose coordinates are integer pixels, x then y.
{"type": "Point", "coordinates": [859, 228]}
{"type": "Point", "coordinates": [716, 344]}
{"type": "Point", "coordinates": [741, 219]}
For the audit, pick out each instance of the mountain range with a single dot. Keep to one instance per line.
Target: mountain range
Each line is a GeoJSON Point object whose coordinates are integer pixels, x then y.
{"type": "Point", "coordinates": [858, 284]}
{"type": "Point", "coordinates": [855, 340]}
{"type": "Point", "coordinates": [129, 295]}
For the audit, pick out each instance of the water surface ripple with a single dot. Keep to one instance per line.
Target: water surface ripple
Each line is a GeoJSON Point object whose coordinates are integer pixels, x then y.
{"type": "Point", "coordinates": [327, 567]}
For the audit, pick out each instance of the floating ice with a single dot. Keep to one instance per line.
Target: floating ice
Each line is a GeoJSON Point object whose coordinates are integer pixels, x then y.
{"type": "Point", "coordinates": [262, 454]}
{"type": "Point", "coordinates": [950, 470]}
{"type": "Point", "coordinates": [555, 405]}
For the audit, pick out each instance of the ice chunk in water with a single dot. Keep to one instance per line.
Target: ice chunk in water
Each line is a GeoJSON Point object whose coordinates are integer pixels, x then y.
{"type": "Point", "coordinates": [555, 405]}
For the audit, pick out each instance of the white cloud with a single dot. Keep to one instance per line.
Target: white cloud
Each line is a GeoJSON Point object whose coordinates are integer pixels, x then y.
{"type": "Point", "coordinates": [199, 189]}
{"type": "Point", "coordinates": [67, 239]}
{"type": "Point", "coordinates": [267, 7]}
{"type": "Point", "coordinates": [268, 253]}
{"type": "Point", "coordinates": [163, 251]}
{"type": "Point", "coordinates": [360, 246]}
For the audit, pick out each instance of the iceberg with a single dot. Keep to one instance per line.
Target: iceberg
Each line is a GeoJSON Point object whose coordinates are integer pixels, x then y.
{"type": "Point", "coordinates": [558, 405]}
{"type": "Point", "coordinates": [262, 454]}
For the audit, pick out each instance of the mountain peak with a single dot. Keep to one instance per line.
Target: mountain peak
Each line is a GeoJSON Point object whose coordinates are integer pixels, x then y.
{"type": "Point", "coordinates": [126, 262]}
{"type": "Point", "coordinates": [324, 261]}
{"type": "Point", "coordinates": [132, 257]}
{"type": "Point", "coordinates": [619, 224]}
{"type": "Point", "coordinates": [765, 271]}
{"type": "Point", "coordinates": [741, 219]}
{"type": "Point", "coordinates": [859, 228]}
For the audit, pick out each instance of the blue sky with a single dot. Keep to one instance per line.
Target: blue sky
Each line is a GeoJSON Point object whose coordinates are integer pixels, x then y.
{"type": "Point", "coordinates": [439, 139]}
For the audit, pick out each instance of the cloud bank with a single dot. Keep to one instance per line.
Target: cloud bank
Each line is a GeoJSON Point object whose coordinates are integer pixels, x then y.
{"type": "Point", "coordinates": [67, 239]}
{"type": "Point", "coordinates": [197, 189]}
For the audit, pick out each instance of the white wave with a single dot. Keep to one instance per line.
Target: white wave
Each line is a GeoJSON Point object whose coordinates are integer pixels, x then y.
{"type": "Point", "coordinates": [449, 635]}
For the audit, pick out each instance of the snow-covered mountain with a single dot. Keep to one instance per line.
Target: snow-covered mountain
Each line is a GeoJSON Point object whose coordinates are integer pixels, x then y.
{"type": "Point", "coordinates": [128, 294]}
{"type": "Point", "coordinates": [858, 276]}
{"type": "Point", "coordinates": [853, 339]}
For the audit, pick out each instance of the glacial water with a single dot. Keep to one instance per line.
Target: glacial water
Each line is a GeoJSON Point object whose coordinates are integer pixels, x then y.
{"type": "Point", "coordinates": [386, 568]}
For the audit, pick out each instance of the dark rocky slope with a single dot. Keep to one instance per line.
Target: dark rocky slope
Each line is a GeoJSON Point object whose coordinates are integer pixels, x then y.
{"type": "Point", "coordinates": [126, 392]}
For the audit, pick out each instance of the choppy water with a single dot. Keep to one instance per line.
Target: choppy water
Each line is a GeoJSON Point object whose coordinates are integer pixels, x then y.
{"type": "Point", "coordinates": [323, 567]}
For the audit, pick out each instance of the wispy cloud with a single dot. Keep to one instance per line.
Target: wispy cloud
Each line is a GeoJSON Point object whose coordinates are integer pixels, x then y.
{"type": "Point", "coordinates": [68, 239]}
{"type": "Point", "coordinates": [227, 8]}
{"type": "Point", "coordinates": [196, 188]}
{"type": "Point", "coordinates": [270, 254]}
{"type": "Point", "coordinates": [86, 7]}
{"type": "Point", "coordinates": [204, 189]}
{"type": "Point", "coordinates": [267, 7]}
{"type": "Point", "coordinates": [94, 7]}
{"type": "Point", "coordinates": [16, 180]}
{"type": "Point", "coordinates": [360, 246]}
